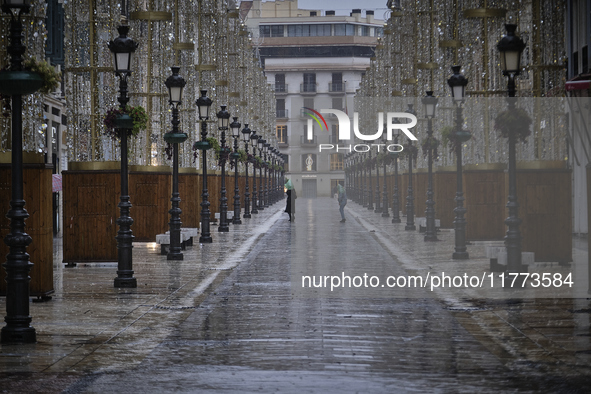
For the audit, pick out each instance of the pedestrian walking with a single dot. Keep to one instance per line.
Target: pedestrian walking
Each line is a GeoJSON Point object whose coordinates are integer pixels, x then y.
{"type": "Point", "coordinates": [291, 196]}
{"type": "Point", "coordinates": [342, 198]}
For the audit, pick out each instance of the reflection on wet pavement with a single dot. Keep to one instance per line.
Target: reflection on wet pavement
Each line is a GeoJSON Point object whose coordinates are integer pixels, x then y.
{"type": "Point", "coordinates": [232, 318]}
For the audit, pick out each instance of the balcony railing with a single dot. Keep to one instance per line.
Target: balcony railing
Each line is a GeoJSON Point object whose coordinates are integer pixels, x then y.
{"type": "Point", "coordinates": [281, 88]}
{"type": "Point", "coordinates": [308, 88]}
{"type": "Point", "coordinates": [282, 113]}
{"type": "Point", "coordinates": [336, 87]}
{"type": "Point", "coordinates": [282, 141]}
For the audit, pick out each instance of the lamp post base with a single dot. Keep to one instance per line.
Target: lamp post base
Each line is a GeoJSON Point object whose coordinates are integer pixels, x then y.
{"type": "Point", "coordinates": [125, 283]}
{"type": "Point", "coordinates": [410, 227]}
{"type": "Point", "coordinates": [18, 335]}
{"type": "Point", "coordinates": [174, 256]}
{"type": "Point", "coordinates": [205, 240]}
{"type": "Point", "coordinates": [460, 256]}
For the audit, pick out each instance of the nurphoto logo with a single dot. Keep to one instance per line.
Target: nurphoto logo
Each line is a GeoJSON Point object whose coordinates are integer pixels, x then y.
{"type": "Point", "coordinates": [394, 121]}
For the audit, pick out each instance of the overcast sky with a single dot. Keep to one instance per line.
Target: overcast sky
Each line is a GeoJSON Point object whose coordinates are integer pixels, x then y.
{"type": "Point", "coordinates": [344, 7]}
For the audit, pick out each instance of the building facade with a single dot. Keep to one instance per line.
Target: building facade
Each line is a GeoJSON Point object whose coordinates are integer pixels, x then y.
{"type": "Point", "coordinates": [314, 62]}
{"type": "Point", "coordinates": [578, 25]}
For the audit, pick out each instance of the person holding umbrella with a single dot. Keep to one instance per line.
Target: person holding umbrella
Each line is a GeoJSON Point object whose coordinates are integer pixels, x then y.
{"type": "Point", "coordinates": [291, 196]}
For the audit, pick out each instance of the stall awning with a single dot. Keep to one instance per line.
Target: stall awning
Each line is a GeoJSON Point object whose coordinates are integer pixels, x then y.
{"type": "Point", "coordinates": [577, 85]}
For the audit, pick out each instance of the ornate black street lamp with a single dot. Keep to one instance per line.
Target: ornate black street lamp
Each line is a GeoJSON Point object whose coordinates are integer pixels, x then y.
{"type": "Point", "coordinates": [279, 187]}
{"type": "Point", "coordinates": [430, 104]}
{"type": "Point", "coordinates": [223, 121]}
{"type": "Point", "coordinates": [277, 174]}
{"type": "Point", "coordinates": [273, 175]}
{"type": "Point", "coordinates": [457, 82]}
{"type": "Point", "coordinates": [16, 82]}
{"type": "Point", "coordinates": [357, 172]}
{"type": "Point", "coordinates": [274, 182]}
{"type": "Point", "coordinates": [235, 127]}
{"type": "Point", "coordinates": [354, 193]}
{"type": "Point", "coordinates": [352, 163]}
{"type": "Point", "coordinates": [352, 184]}
{"type": "Point", "coordinates": [122, 48]}
{"type": "Point", "coordinates": [274, 153]}
{"type": "Point", "coordinates": [510, 48]}
{"type": "Point", "coordinates": [363, 183]}
{"type": "Point", "coordinates": [395, 196]}
{"type": "Point", "coordinates": [410, 206]}
{"type": "Point", "coordinates": [369, 184]}
{"type": "Point", "coordinates": [203, 103]}
{"type": "Point", "coordinates": [385, 213]}
{"type": "Point", "coordinates": [246, 138]}
{"type": "Point", "coordinates": [378, 193]}
{"type": "Point", "coordinates": [254, 140]}
{"type": "Point", "coordinates": [260, 143]}
{"type": "Point", "coordinates": [265, 178]}
{"type": "Point", "coordinates": [266, 146]}
{"type": "Point", "coordinates": [279, 184]}
{"type": "Point", "coordinates": [175, 84]}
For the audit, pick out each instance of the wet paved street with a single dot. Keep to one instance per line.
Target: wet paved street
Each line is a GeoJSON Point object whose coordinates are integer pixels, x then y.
{"type": "Point", "coordinates": [233, 317]}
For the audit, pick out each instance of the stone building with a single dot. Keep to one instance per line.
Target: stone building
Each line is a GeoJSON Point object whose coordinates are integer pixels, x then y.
{"type": "Point", "coordinates": [314, 61]}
